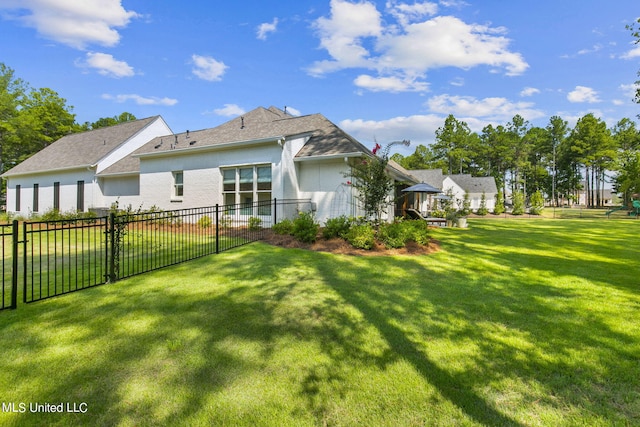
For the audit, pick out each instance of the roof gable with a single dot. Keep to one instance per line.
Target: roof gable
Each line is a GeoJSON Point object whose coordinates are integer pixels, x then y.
{"type": "Point", "coordinates": [80, 150]}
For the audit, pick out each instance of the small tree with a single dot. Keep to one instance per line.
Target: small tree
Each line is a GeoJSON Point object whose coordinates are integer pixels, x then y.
{"type": "Point", "coordinates": [499, 209]}
{"type": "Point", "coordinates": [482, 210]}
{"type": "Point", "coordinates": [518, 203]}
{"type": "Point", "coordinates": [372, 183]}
{"type": "Point", "coordinates": [466, 205]}
{"type": "Point", "coordinates": [537, 203]}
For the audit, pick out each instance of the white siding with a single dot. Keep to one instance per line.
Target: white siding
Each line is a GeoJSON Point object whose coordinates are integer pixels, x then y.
{"type": "Point", "coordinates": [202, 176]}
{"type": "Point", "coordinates": [325, 184]}
{"type": "Point", "coordinates": [68, 192]}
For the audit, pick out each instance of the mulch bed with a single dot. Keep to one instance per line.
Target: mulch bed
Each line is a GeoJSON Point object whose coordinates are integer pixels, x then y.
{"type": "Point", "coordinates": [340, 246]}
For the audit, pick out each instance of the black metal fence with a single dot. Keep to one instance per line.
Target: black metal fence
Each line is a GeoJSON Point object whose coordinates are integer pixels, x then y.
{"type": "Point", "coordinates": [43, 259]}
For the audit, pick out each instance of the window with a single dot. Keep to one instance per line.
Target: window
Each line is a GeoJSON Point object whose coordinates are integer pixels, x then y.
{"type": "Point", "coordinates": [18, 198]}
{"type": "Point", "coordinates": [36, 194]}
{"type": "Point", "coordinates": [56, 196]}
{"type": "Point", "coordinates": [80, 196]}
{"type": "Point", "coordinates": [246, 185]}
{"type": "Point", "coordinates": [178, 184]}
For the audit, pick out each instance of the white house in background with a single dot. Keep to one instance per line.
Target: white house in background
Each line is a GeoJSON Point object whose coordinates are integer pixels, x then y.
{"type": "Point", "coordinates": [64, 175]}
{"type": "Point", "coordinates": [459, 185]}
{"type": "Point", "coordinates": [262, 155]}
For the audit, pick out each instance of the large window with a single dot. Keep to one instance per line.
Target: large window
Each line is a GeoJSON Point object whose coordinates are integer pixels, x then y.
{"type": "Point", "coordinates": [246, 185]}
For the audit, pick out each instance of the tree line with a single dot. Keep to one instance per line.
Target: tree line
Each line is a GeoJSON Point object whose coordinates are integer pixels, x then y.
{"type": "Point", "coordinates": [31, 119]}
{"type": "Point", "coordinates": [557, 160]}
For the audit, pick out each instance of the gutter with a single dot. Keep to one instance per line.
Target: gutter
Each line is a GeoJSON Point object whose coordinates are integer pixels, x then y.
{"type": "Point", "coordinates": [46, 171]}
{"type": "Point", "coordinates": [329, 157]}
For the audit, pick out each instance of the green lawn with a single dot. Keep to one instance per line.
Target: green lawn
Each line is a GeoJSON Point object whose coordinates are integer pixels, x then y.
{"type": "Point", "coordinates": [514, 322]}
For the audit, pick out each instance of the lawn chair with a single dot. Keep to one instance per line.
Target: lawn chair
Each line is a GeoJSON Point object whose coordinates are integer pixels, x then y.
{"type": "Point", "coordinates": [414, 214]}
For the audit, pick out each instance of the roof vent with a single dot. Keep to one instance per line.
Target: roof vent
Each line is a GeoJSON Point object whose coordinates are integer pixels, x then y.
{"type": "Point", "coordinates": [192, 142]}
{"type": "Point", "coordinates": [159, 145]}
{"type": "Point", "coordinates": [187, 136]}
{"type": "Point", "coordinates": [241, 122]}
{"type": "Point", "coordinates": [176, 142]}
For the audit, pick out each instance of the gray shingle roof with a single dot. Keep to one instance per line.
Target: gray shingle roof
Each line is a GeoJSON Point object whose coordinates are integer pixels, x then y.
{"type": "Point", "coordinates": [80, 149]}
{"type": "Point", "coordinates": [472, 184]}
{"type": "Point", "coordinates": [326, 138]}
{"type": "Point", "coordinates": [433, 177]}
{"type": "Point", "coordinates": [469, 183]}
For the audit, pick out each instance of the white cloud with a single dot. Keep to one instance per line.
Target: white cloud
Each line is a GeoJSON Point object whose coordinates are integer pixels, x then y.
{"type": "Point", "coordinates": [229, 110]}
{"type": "Point", "coordinates": [107, 65]}
{"type": "Point", "coordinates": [356, 35]}
{"type": "Point", "coordinates": [207, 68]}
{"type": "Point", "coordinates": [266, 28]}
{"type": "Point", "coordinates": [583, 94]}
{"type": "Point", "coordinates": [293, 111]}
{"type": "Point", "coordinates": [494, 108]}
{"type": "Point", "coordinates": [390, 84]}
{"type": "Point", "coordinates": [342, 35]}
{"type": "Point", "coordinates": [629, 90]}
{"type": "Point", "coordinates": [529, 91]}
{"type": "Point", "coordinates": [420, 129]}
{"type": "Point", "coordinates": [74, 23]}
{"type": "Point", "coordinates": [141, 100]}
{"type": "Point", "coordinates": [632, 54]}
{"type": "Point", "coordinates": [407, 13]}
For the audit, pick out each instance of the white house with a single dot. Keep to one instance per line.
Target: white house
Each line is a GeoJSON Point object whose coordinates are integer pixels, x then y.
{"type": "Point", "coordinates": [460, 184]}
{"type": "Point", "coordinates": [262, 155]}
{"type": "Point", "coordinates": [64, 175]}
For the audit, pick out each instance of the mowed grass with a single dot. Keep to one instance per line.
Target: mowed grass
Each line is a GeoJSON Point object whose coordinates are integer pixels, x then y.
{"type": "Point", "coordinates": [522, 323]}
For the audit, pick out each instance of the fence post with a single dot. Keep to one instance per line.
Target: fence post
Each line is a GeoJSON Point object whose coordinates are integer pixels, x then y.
{"type": "Point", "coordinates": [275, 208]}
{"type": "Point", "coordinates": [217, 229]}
{"type": "Point", "coordinates": [112, 250]}
{"type": "Point", "coordinates": [14, 265]}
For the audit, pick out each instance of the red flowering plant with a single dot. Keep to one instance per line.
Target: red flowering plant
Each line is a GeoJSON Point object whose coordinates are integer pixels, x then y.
{"type": "Point", "coordinates": [371, 181]}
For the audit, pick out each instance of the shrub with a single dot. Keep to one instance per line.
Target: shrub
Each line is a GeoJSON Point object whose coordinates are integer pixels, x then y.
{"type": "Point", "coordinates": [283, 227]}
{"type": "Point", "coordinates": [482, 210]}
{"type": "Point", "coordinates": [419, 231]}
{"type": "Point", "coordinates": [305, 227]}
{"type": "Point", "coordinates": [361, 236]}
{"type": "Point", "coordinates": [225, 222]}
{"type": "Point", "coordinates": [499, 209]}
{"type": "Point", "coordinates": [537, 203]}
{"type": "Point", "coordinates": [518, 203]}
{"type": "Point", "coordinates": [336, 227]}
{"type": "Point", "coordinates": [255, 223]}
{"type": "Point", "coordinates": [395, 234]}
{"type": "Point", "coordinates": [204, 222]}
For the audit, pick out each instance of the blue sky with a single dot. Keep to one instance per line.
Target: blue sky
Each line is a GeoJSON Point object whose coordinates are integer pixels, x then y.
{"type": "Point", "coordinates": [382, 70]}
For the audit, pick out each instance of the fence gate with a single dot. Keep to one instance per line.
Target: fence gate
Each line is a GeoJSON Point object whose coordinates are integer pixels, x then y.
{"type": "Point", "coordinates": [63, 256]}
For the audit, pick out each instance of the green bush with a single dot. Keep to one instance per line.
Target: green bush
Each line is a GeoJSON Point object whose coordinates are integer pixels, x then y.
{"type": "Point", "coordinates": [419, 231]}
{"type": "Point", "coordinates": [537, 203]}
{"type": "Point", "coordinates": [518, 203]}
{"type": "Point", "coordinates": [361, 236]}
{"type": "Point", "coordinates": [482, 210]}
{"type": "Point", "coordinates": [285, 227]}
{"type": "Point", "coordinates": [336, 227]}
{"type": "Point", "coordinates": [499, 209]}
{"type": "Point", "coordinates": [255, 223]}
{"type": "Point", "coordinates": [305, 227]}
{"type": "Point", "coordinates": [395, 234]}
{"type": "Point", "coordinates": [204, 222]}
